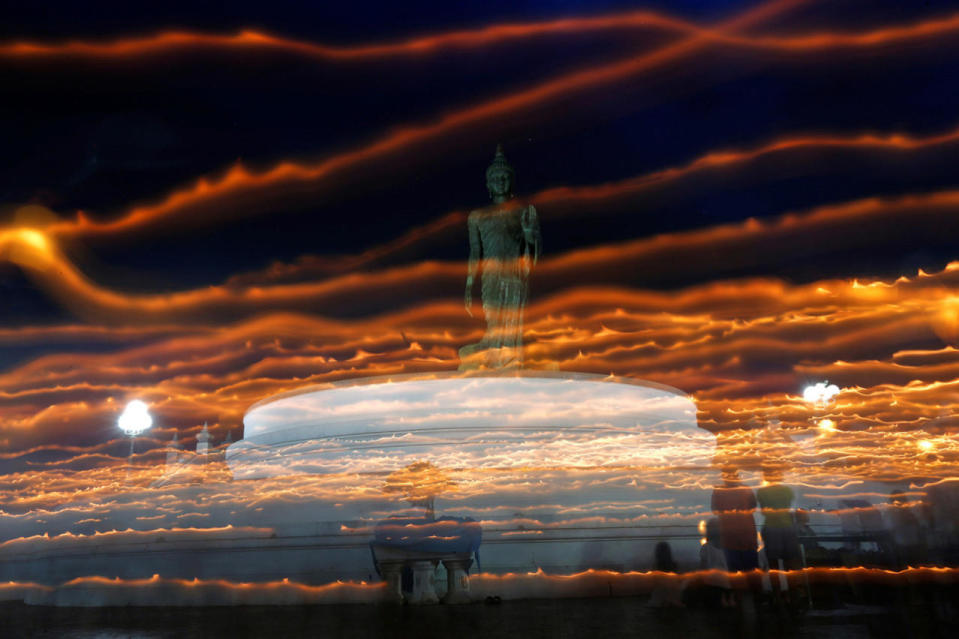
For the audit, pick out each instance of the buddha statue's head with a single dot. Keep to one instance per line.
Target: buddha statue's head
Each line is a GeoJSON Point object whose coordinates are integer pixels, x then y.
{"type": "Point", "coordinates": [499, 177]}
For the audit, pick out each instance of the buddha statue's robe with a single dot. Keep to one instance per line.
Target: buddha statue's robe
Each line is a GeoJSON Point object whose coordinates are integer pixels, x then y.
{"type": "Point", "coordinates": [505, 242]}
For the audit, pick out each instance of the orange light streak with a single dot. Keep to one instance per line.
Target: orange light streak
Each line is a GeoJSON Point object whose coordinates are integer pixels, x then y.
{"type": "Point", "coordinates": [65, 281]}
{"type": "Point", "coordinates": [223, 583]}
{"type": "Point", "coordinates": [725, 158]}
{"type": "Point", "coordinates": [486, 579]}
{"type": "Point", "coordinates": [172, 368]}
{"type": "Point", "coordinates": [252, 39]}
{"type": "Point", "coordinates": [238, 180]}
{"type": "Point", "coordinates": [171, 41]}
{"type": "Point", "coordinates": [158, 589]}
{"type": "Point", "coordinates": [596, 582]}
{"type": "Point", "coordinates": [567, 196]}
{"type": "Point", "coordinates": [139, 536]}
{"type": "Point", "coordinates": [705, 336]}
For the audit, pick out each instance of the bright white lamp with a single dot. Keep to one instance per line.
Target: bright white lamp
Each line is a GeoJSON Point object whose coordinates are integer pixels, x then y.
{"type": "Point", "coordinates": [820, 393]}
{"type": "Point", "coordinates": [134, 420]}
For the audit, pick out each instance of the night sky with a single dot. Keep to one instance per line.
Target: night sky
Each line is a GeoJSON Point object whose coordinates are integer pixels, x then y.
{"type": "Point", "coordinates": [259, 217]}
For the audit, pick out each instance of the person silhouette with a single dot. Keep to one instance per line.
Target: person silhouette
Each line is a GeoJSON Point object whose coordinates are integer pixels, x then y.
{"type": "Point", "coordinates": [667, 587]}
{"type": "Point", "coordinates": [712, 561]}
{"type": "Point", "coordinates": [734, 504]}
{"type": "Point", "coordinates": [906, 531]}
{"type": "Point", "coordinates": [780, 540]}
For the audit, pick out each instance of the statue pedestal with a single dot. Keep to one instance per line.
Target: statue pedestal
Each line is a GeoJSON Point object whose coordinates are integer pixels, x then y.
{"type": "Point", "coordinates": [392, 561]}
{"type": "Point", "coordinates": [457, 581]}
{"type": "Point", "coordinates": [499, 359]}
{"type": "Point", "coordinates": [393, 576]}
{"type": "Point", "coordinates": [423, 586]}
{"type": "Point", "coordinates": [440, 414]}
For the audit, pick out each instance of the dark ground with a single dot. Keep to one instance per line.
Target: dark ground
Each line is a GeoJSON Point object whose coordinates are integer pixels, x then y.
{"type": "Point", "coordinates": [556, 618]}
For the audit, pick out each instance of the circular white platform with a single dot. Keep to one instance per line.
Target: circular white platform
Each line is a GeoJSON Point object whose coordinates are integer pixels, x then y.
{"type": "Point", "coordinates": [517, 419]}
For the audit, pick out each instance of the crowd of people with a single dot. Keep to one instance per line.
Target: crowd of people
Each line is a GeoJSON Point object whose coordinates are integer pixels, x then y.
{"type": "Point", "coordinates": [767, 559]}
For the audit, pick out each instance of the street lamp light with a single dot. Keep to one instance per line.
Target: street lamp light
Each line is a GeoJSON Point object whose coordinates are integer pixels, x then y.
{"type": "Point", "coordinates": [134, 420]}
{"type": "Point", "coordinates": [820, 393]}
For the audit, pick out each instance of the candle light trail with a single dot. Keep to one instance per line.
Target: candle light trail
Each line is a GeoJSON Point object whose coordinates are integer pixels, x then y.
{"type": "Point", "coordinates": [880, 443]}
{"type": "Point", "coordinates": [487, 36]}
{"type": "Point", "coordinates": [237, 180]}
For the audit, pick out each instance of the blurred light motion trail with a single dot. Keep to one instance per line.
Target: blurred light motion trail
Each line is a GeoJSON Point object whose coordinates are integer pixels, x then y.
{"type": "Point", "coordinates": [590, 495]}
{"type": "Point", "coordinates": [566, 196]}
{"type": "Point", "coordinates": [31, 249]}
{"type": "Point", "coordinates": [161, 591]}
{"type": "Point", "coordinates": [569, 197]}
{"type": "Point", "coordinates": [482, 37]}
{"type": "Point", "coordinates": [238, 180]}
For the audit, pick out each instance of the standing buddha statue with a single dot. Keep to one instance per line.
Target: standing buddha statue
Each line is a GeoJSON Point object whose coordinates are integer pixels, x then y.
{"type": "Point", "coordinates": [505, 242]}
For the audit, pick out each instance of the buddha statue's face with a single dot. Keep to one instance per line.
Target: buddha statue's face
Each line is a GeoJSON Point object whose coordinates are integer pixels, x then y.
{"type": "Point", "coordinates": [500, 185]}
